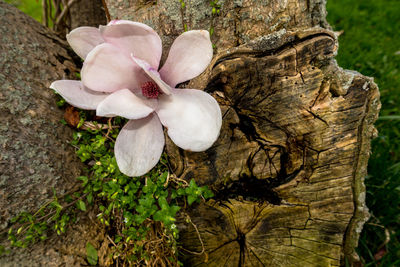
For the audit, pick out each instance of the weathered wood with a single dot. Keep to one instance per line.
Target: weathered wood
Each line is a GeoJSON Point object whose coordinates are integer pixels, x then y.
{"type": "Point", "coordinates": [289, 164]}
{"type": "Point", "coordinates": [293, 136]}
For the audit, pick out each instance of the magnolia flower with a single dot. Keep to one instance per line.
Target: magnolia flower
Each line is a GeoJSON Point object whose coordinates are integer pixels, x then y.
{"type": "Point", "coordinates": [121, 77]}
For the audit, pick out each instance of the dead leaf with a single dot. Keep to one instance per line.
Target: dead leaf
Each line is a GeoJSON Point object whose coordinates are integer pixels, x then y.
{"type": "Point", "coordinates": [71, 116]}
{"type": "Point", "coordinates": [379, 255]}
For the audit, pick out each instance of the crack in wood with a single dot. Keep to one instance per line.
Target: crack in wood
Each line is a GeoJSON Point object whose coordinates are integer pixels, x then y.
{"type": "Point", "coordinates": [241, 239]}
{"type": "Point", "coordinates": [317, 117]}
{"type": "Point", "coordinates": [293, 141]}
{"type": "Point", "coordinates": [246, 51]}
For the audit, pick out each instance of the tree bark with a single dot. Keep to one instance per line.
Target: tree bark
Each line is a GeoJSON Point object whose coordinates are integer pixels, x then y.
{"type": "Point", "coordinates": [35, 156]}
{"type": "Point", "coordinates": [87, 13]}
{"type": "Point", "coordinates": [289, 164]}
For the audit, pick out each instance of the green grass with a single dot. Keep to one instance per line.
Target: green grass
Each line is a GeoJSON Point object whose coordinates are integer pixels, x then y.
{"type": "Point", "coordinates": [370, 44]}
{"type": "Point", "coordinates": [31, 7]}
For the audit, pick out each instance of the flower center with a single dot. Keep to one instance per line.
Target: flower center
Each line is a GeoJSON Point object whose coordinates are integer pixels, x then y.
{"type": "Point", "coordinates": [150, 90]}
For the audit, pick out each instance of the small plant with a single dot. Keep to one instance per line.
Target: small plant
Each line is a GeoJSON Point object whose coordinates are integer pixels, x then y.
{"type": "Point", "coordinates": [139, 213]}
{"type": "Point", "coordinates": [215, 10]}
{"type": "Point", "coordinates": [55, 214]}
{"type": "Point", "coordinates": [216, 7]}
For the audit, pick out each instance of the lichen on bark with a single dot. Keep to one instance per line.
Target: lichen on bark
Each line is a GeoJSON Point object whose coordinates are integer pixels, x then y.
{"type": "Point", "coordinates": [35, 157]}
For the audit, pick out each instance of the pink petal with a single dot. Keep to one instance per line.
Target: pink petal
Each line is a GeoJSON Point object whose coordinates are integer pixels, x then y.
{"type": "Point", "coordinates": [107, 69]}
{"type": "Point", "coordinates": [188, 57]}
{"type": "Point", "coordinates": [84, 39]}
{"type": "Point", "coordinates": [134, 38]}
{"type": "Point", "coordinates": [139, 146]}
{"type": "Point", "coordinates": [77, 95]}
{"type": "Point", "coordinates": [125, 104]}
{"type": "Point", "coordinates": [193, 118]}
{"type": "Point", "coordinates": [153, 74]}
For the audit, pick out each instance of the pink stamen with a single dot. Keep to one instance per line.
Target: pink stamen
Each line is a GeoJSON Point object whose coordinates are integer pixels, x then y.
{"type": "Point", "coordinates": [150, 90]}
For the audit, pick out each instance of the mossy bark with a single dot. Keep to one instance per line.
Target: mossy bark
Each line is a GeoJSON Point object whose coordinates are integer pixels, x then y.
{"type": "Point", "coordinates": [289, 165]}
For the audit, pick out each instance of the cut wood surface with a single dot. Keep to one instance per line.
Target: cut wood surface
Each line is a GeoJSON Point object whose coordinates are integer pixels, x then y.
{"type": "Point", "coordinates": [288, 167]}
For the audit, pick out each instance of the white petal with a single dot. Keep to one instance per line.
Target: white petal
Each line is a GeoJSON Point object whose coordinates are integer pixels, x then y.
{"type": "Point", "coordinates": [139, 146]}
{"type": "Point", "coordinates": [84, 39]}
{"type": "Point", "coordinates": [77, 95]}
{"type": "Point", "coordinates": [188, 57]}
{"type": "Point", "coordinates": [134, 38]}
{"type": "Point", "coordinates": [153, 74]}
{"type": "Point", "coordinates": [193, 118]}
{"type": "Point", "coordinates": [125, 104]}
{"type": "Point", "coordinates": [107, 69]}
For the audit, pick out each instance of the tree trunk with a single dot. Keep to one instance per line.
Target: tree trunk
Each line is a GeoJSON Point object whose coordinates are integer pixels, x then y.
{"type": "Point", "coordinates": [87, 13]}
{"type": "Point", "coordinates": [31, 154]}
{"type": "Point", "coordinates": [35, 157]}
{"type": "Point", "coordinates": [289, 164]}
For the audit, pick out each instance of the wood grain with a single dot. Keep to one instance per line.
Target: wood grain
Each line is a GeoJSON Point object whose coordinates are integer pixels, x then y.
{"type": "Point", "coordinates": [285, 166]}
{"type": "Point", "coordinates": [288, 167]}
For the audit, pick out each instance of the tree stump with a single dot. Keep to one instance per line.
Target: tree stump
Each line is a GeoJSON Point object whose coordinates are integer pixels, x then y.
{"type": "Point", "coordinates": [288, 167]}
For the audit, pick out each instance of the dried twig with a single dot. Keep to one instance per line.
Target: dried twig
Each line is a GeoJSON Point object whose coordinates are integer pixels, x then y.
{"type": "Point", "coordinates": [109, 238]}
{"type": "Point", "coordinates": [106, 10]}
{"type": "Point", "coordinates": [178, 180]}
{"type": "Point", "coordinates": [94, 126]}
{"type": "Point", "coordinates": [45, 20]}
{"type": "Point", "coordinates": [198, 234]}
{"type": "Point", "coordinates": [64, 11]}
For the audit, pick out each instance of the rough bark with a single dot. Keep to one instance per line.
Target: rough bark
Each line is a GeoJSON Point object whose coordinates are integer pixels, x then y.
{"type": "Point", "coordinates": [289, 164]}
{"type": "Point", "coordinates": [31, 154]}
{"type": "Point", "coordinates": [35, 156]}
{"type": "Point", "coordinates": [87, 13]}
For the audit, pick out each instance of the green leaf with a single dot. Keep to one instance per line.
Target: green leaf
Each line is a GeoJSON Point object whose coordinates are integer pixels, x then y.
{"type": "Point", "coordinates": [174, 209]}
{"type": "Point", "coordinates": [19, 230]}
{"type": "Point", "coordinates": [163, 177]}
{"type": "Point", "coordinates": [89, 198]}
{"type": "Point", "coordinates": [91, 252]}
{"type": "Point", "coordinates": [61, 103]}
{"type": "Point", "coordinates": [191, 199]}
{"type": "Point", "coordinates": [81, 205]}
{"type": "Point", "coordinates": [207, 193]}
{"type": "Point", "coordinates": [162, 201]}
{"type": "Point", "coordinates": [389, 117]}
{"type": "Point", "coordinates": [84, 179]}
{"type": "Point", "coordinates": [158, 216]}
